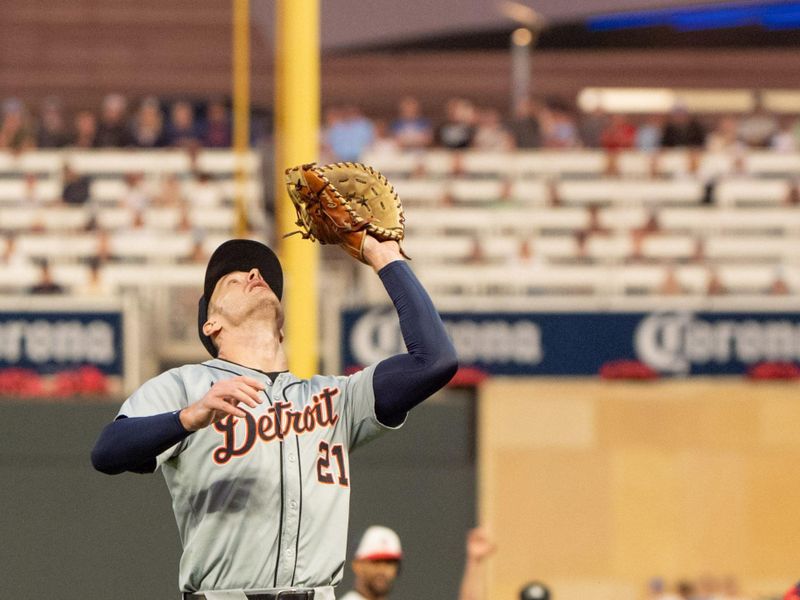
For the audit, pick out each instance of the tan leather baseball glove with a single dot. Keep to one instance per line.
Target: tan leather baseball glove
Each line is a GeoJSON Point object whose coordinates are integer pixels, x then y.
{"type": "Point", "coordinates": [342, 203]}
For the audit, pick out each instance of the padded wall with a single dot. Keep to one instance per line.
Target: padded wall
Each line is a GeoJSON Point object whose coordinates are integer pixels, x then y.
{"type": "Point", "coordinates": [594, 487]}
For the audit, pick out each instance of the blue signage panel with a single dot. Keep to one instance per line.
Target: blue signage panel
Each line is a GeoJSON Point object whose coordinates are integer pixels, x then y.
{"type": "Point", "coordinates": [48, 342]}
{"type": "Point", "coordinates": [679, 343]}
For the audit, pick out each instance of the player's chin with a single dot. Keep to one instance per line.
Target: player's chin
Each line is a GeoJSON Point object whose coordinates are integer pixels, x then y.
{"type": "Point", "coordinates": [381, 586]}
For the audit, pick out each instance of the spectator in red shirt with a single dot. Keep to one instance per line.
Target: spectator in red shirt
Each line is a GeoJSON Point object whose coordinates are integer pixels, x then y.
{"type": "Point", "coordinates": [619, 135]}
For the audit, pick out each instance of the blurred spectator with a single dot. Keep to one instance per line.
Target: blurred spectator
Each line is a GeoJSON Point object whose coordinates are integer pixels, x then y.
{"type": "Point", "coordinates": [592, 127]}
{"type": "Point", "coordinates": [148, 125]}
{"type": "Point", "coordinates": [138, 196]}
{"type": "Point", "coordinates": [33, 195]}
{"type": "Point", "coordinates": [796, 131]}
{"type": "Point", "coordinates": [725, 136]}
{"type": "Point", "coordinates": [682, 129]}
{"type": "Point", "coordinates": [113, 129]}
{"type": "Point", "coordinates": [348, 133]}
{"type": "Point", "coordinates": [203, 191]}
{"type": "Point", "coordinates": [198, 254]}
{"type": "Point", "coordinates": [476, 254]}
{"type": "Point", "coordinates": [217, 130]}
{"type": "Point", "coordinates": [714, 286]}
{"type": "Point", "coordinates": [657, 590]}
{"type": "Point", "coordinates": [52, 131]}
{"type": "Point", "coordinates": [46, 285]}
{"type": "Point", "coordinates": [15, 130]}
{"type": "Point", "coordinates": [527, 255]}
{"type": "Point", "coordinates": [784, 139]}
{"type": "Point", "coordinates": [10, 256]}
{"type": "Point", "coordinates": [525, 124]}
{"type": "Point", "coordinates": [183, 130]}
{"type": "Point", "coordinates": [685, 590]}
{"type": "Point", "coordinates": [411, 129]}
{"type": "Point", "coordinates": [620, 134]}
{"type": "Point", "coordinates": [490, 133]}
{"type": "Point", "coordinates": [384, 142]}
{"type": "Point", "coordinates": [171, 192]}
{"type": "Point", "coordinates": [75, 186]}
{"type": "Point", "coordinates": [458, 129]}
{"type": "Point", "coordinates": [649, 133]}
{"type": "Point", "coordinates": [85, 130]}
{"type": "Point", "coordinates": [558, 127]}
{"type": "Point", "coordinates": [779, 287]}
{"type": "Point", "coordinates": [331, 118]}
{"type": "Point", "coordinates": [757, 128]}
{"type": "Point", "coordinates": [670, 285]}
{"type": "Point", "coordinates": [94, 285]}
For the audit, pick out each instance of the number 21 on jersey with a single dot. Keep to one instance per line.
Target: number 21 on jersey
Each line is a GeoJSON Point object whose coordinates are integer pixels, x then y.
{"type": "Point", "coordinates": [326, 471]}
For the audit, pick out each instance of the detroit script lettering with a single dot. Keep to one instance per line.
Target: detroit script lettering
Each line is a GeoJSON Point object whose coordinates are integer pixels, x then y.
{"type": "Point", "coordinates": [275, 424]}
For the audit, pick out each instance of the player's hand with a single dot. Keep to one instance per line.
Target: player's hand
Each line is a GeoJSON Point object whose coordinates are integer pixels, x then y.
{"type": "Point", "coordinates": [222, 399]}
{"type": "Point", "coordinates": [379, 254]}
{"type": "Point", "coordinates": [479, 544]}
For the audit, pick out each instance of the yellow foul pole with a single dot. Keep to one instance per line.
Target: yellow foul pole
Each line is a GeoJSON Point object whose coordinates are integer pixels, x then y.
{"type": "Point", "coordinates": [297, 97]}
{"type": "Point", "coordinates": [241, 107]}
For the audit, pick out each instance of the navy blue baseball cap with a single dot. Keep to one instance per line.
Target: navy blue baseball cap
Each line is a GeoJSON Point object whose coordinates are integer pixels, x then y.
{"type": "Point", "coordinates": [237, 255]}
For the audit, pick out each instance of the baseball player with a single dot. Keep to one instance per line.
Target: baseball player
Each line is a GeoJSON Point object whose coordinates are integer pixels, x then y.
{"type": "Point", "coordinates": [256, 458]}
{"type": "Point", "coordinates": [376, 564]}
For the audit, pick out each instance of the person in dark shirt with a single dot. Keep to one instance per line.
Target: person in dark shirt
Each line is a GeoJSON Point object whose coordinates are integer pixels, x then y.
{"type": "Point", "coordinates": [113, 131]}
{"type": "Point", "coordinates": [52, 132]}
{"type": "Point", "coordinates": [46, 285]}
{"type": "Point", "coordinates": [458, 130]}
{"type": "Point", "coordinates": [525, 126]}
{"type": "Point", "coordinates": [183, 130]}
{"type": "Point", "coordinates": [85, 135]}
{"type": "Point", "coordinates": [76, 186]}
{"type": "Point", "coordinates": [682, 130]}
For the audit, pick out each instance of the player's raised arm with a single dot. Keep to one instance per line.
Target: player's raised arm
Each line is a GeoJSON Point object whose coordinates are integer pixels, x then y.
{"type": "Point", "coordinates": [473, 582]}
{"type": "Point", "coordinates": [354, 206]}
{"type": "Point", "coordinates": [403, 381]}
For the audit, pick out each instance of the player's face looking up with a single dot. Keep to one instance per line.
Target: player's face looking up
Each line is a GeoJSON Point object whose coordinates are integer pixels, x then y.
{"type": "Point", "coordinates": [375, 578]}
{"type": "Point", "coordinates": [244, 297]}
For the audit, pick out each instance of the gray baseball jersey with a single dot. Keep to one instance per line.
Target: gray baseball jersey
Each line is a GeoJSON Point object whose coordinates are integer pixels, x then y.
{"type": "Point", "coordinates": [262, 502]}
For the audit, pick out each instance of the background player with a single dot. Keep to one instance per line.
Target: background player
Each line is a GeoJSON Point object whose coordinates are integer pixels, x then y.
{"type": "Point", "coordinates": [256, 459]}
{"type": "Point", "coordinates": [378, 557]}
{"type": "Point", "coordinates": [376, 564]}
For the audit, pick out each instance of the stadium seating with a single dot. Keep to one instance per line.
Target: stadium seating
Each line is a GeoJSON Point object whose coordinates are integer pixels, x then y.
{"type": "Point", "coordinates": [499, 224]}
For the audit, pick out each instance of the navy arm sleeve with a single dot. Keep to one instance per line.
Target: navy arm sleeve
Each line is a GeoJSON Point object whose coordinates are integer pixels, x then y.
{"type": "Point", "coordinates": [133, 443]}
{"type": "Point", "coordinates": [403, 381]}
